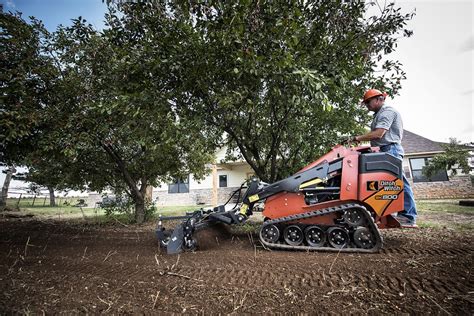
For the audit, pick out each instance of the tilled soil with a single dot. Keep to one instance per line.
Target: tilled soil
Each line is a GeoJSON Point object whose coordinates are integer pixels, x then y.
{"type": "Point", "coordinates": [60, 267]}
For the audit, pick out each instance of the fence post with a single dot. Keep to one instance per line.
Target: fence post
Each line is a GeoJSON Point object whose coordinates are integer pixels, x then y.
{"type": "Point", "coordinates": [44, 202]}
{"type": "Point", "coordinates": [19, 199]}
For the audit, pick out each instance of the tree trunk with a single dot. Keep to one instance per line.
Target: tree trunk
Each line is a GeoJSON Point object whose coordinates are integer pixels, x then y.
{"type": "Point", "coordinates": [52, 201]}
{"type": "Point", "coordinates": [139, 209]}
{"type": "Point", "coordinates": [137, 195]}
{"type": "Point", "coordinates": [6, 184]}
{"type": "Point", "coordinates": [149, 194]}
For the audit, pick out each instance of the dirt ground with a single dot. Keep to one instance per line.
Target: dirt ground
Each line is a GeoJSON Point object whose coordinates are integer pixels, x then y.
{"type": "Point", "coordinates": [63, 267]}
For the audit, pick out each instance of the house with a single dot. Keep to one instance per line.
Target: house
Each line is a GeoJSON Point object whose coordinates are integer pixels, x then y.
{"type": "Point", "coordinates": [418, 150]}
{"type": "Point", "coordinates": [216, 188]}
{"type": "Point", "coordinates": [225, 178]}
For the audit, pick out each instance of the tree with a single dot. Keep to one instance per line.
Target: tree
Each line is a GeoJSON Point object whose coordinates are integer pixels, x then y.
{"type": "Point", "coordinates": [454, 157]}
{"type": "Point", "coordinates": [109, 118]}
{"type": "Point", "coordinates": [283, 80]}
{"type": "Point", "coordinates": [47, 170]}
{"type": "Point", "coordinates": [118, 124]}
{"type": "Point", "coordinates": [25, 88]}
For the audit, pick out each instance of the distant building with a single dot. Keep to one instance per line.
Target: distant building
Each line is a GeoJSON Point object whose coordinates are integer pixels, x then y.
{"type": "Point", "coordinates": [418, 151]}
{"type": "Point", "coordinates": [215, 188]}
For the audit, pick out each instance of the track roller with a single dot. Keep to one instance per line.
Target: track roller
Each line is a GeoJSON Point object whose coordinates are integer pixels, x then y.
{"type": "Point", "coordinates": [338, 237]}
{"type": "Point", "coordinates": [270, 233]}
{"type": "Point", "coordinates": [363, 238]}
{"type": "Point", "coordinates": [293, 235]}
{"type": "Point", "coordinates": [354, 217]}
{"type": "Point", "coordinates": [315, 236]}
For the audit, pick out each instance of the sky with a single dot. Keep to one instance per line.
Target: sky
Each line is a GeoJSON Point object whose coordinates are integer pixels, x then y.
{"type": "Point", "coordinates": [436, 100]}
{"type": "Point", "coordinates": [55, 12]}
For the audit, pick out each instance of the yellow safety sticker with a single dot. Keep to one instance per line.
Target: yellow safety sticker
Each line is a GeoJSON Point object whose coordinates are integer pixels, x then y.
{"type": "Point", "coordinates": [307, 184]}
{"type": "Point", "coordinates": [243, 209]}
{"type": "Point", "coordinates": [254, 198]}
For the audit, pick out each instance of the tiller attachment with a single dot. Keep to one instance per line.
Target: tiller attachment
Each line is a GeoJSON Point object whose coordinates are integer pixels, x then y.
{"type": "Point", "coordinates": [181, 239]}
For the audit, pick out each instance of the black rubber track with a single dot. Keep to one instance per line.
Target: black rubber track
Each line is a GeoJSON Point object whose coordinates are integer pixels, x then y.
{"type": "Point", "coordinates": [370, 224]}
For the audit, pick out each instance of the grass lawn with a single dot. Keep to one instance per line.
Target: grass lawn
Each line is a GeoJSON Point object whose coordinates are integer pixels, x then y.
{"type": "Point", "coordinates": [67, 211]}
{"type": "Point", "coordinates": [178, 210]}
{"type": "Point", "coordinates": [41, 201]}
{"type": "Point", "coordinates": [445, 214]}
{"type": "Point", "coordinates": [448, 206]}
{"type": "Point", "coordinates": [62, 211]}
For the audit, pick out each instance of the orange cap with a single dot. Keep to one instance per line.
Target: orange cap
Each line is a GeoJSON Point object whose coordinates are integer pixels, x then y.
{"type": "Point", "coordinates": [372, 93]}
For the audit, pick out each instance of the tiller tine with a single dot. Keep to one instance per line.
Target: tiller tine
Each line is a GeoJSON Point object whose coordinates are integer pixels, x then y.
{"type": "Point", "coordinates": [176, 241]}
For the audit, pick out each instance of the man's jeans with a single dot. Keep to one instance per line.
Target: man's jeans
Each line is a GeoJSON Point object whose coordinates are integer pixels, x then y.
{"type": "Point", "coordinates": [396, 150]}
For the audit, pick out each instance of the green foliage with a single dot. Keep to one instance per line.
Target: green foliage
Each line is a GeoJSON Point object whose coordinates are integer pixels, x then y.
{"type": "Point", "coordinates": [122, 204]}
{"type": "Point", "coordinates": [121, 111]}
{"type": "Point", "coordinates": [455, 156]}
{"type": "Point", "coordinates": [34, 188]}
{"type": "Point", "coordinates": [28, 88]}
{"type": "Point", "coordinates": [150, 211]}
{"type": "Point", "coordinates": [111, 120]}
{"type": "Point", "coordinates": [283, 80]}
{"type": "Point", "coordinates": [26, 77]}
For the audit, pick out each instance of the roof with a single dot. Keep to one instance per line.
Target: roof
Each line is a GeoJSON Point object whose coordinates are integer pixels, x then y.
{"type": "Point", "coordinates": [413, 143]}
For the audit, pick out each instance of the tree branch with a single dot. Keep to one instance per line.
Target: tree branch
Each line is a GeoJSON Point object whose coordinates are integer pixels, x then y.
{"type": "Point", "coordinates": [121, 166]}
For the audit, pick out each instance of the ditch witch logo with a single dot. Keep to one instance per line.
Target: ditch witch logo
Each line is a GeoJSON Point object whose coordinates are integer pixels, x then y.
{"type": "Point", "coordinates": [372, 185]}
{"type": "Point", "coordinates": [386, 186]}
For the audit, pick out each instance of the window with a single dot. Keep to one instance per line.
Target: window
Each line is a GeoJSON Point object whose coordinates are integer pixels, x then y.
{"type": "Point", "coordinates": [417, 165]}
{"type": "Point", "coordinates": [406, 171]}
{"type": "Point", "coordinates": [179, 185]}
{"type": "Point", "coordinates": [223, 181]}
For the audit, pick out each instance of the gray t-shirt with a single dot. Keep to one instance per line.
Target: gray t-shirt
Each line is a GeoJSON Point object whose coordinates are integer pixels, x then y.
{"type": "Point", "coordinates": [389, 119]}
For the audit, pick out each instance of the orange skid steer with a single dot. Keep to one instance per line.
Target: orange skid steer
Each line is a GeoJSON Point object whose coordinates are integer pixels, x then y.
{"type": "Point", "coordinates": [337, 203]}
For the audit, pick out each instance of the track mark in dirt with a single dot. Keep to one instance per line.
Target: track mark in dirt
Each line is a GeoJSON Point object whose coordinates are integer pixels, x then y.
{"type": "Point", "coordinates": [432, 251]}
{"type": "Point", "coordinates": [251, 279]}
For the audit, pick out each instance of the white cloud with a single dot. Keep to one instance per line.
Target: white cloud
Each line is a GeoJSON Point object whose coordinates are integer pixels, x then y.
{"type": "Point", "coordinates": [436, 100]}
{"type": "Point", "coordinates": [10, 4]}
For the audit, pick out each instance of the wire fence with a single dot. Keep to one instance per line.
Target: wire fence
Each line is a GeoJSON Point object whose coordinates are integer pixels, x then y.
{"type": "Point", "coordinates": [22, 199]}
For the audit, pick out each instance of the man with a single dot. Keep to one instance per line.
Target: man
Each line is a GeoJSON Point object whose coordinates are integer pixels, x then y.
{"type": "Point", "coordinates": [387, 133]}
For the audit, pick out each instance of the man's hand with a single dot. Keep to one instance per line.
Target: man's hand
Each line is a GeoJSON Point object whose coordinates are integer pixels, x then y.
{"type": "Point", "coordinates": [350, 140]}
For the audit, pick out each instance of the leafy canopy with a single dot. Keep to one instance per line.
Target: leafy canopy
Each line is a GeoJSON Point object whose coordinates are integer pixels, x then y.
{"type": "Point", "coordinates": [283, 79]}
{"type": "Point", "coordinates": [112, 122]}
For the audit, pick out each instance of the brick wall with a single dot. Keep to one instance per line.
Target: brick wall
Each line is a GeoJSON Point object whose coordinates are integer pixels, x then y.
{"type": "Point", "coordinates": [194, 197]}
{"type": "Point", "coordinates": [456, 187]}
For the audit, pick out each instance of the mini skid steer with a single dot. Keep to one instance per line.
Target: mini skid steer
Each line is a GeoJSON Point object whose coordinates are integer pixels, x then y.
{"type": "Point", "coordinates": [337, 203]}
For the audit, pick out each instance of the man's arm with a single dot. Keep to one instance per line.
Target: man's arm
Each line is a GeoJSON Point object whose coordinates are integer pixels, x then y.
{"type": "Point", "coordinates": [375, 134]}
